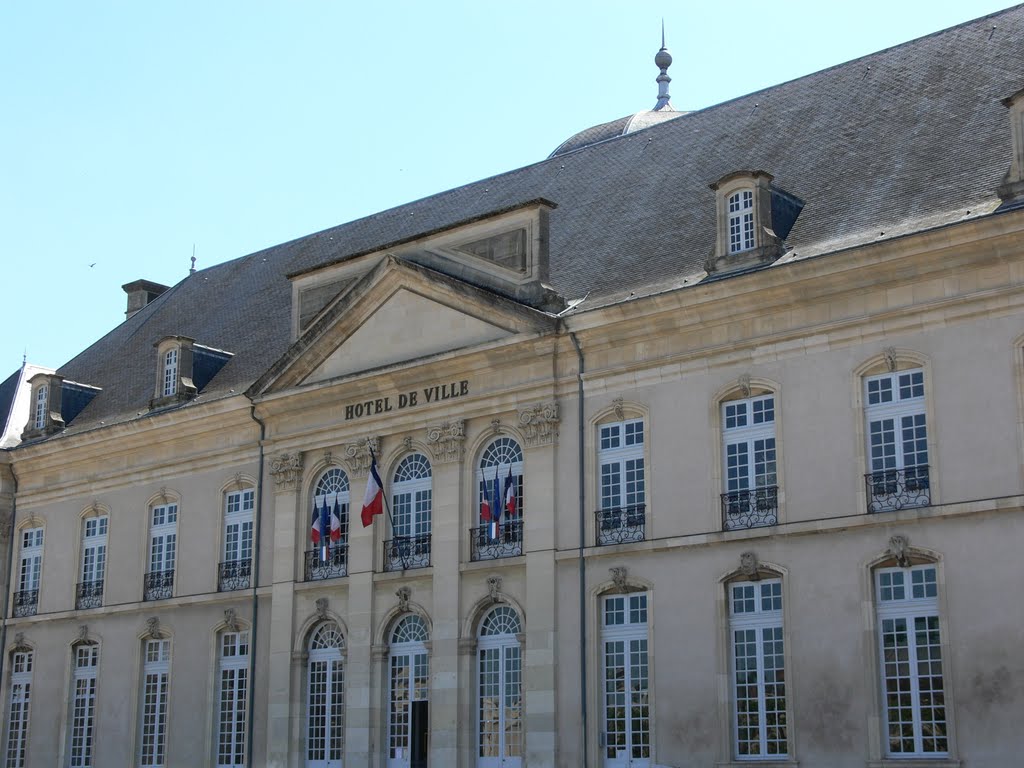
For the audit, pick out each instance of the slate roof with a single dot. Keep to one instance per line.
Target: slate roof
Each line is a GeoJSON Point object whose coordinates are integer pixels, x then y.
{"type": "Point", "coordinates": [904, 139]}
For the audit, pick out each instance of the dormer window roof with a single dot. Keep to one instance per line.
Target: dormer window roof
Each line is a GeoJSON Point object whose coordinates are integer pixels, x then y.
{"type": "Point", "coordinates": [54, 404]}
{"type": "Point", "coordinates": [183, 369]}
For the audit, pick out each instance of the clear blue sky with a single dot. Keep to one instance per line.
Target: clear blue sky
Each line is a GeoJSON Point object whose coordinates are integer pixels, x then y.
{"type": "Point", "coordinates": [133, 130]}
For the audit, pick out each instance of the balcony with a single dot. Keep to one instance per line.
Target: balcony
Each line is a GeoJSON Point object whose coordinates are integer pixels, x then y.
{"type": "Point", "coordinates": [620, 525]}
{"type": "Point", "coordinates": [25, 603]}
{"type": "Point", "coordinates": [334, 567]}
{"type": "Point", "coordinates": [159, 585]}
{"type": "Point", "coordinates": [234, 574]}
{"type": "Point", "coordinates": [507, 541]}
{"type": "Point", "coordinates": [750, 508]}
{"type": "Point", "coordinates": [89, 594]}
{"type": "Point", "coordinates": [892, 489]}
{"type": "Point", "coordinates": [404, 552]}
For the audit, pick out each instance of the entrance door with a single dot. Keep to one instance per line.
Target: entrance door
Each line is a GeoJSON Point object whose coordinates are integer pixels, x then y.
{"type": "Point", "coordinates": [500, 686]}
{"type": "Point", "coordinates": [419, 734]}
{"type": "Point", "coordinates": [408, 711]}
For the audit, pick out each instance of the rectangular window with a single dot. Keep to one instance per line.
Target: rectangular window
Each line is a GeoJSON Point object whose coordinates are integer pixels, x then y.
{"type": "Point", "coordinates": [39, 419]}
{"type": "Point", "coordinates": [897, 436]}
{"type": "Point", "coordinates": [30, 562]}
{"type": "Point", "coordinates": [18, 709]}
{"type": "Point", "coordinates": [83, 706]}
{"type": "Point", "coordinates": [170, 373]}
{"type": "Point", "coordinates": [94, 562]}
{"type": "Point", "coordinates": [750, 497]}
{"type": "Point", "coordinates": [741, 221]}
{"type": "Point", "coordinates": [232, 697]}
{"type": "Point", "coordinates": [910, 650]}
{"type": "Point", "coordinates": [238, 517]}
{"type": "Point", "coordinates": [163, 546]}
{"type": "Point", "coordinates": [626, 712]}
{"type": "Point", "coordinates": [623, 482]}
{"type": "Point", "coordinates": [758, 670]}
{"type": "Point", "coordinates": [153, 716]}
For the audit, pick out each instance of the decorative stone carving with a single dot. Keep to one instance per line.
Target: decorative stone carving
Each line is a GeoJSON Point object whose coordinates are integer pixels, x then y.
{"type": "Point", "coordinates": [407, 443]}
{"type": "Point", "coordinates": [231, 620]}
{"type": "Point", "coordinates": [327, 457]}
{"type": "Point", "coordinates": [890, 358]}
{"type": "Point", "coordinates": [744, 384]}
{"type": "Point", "coordinates": [153, 628]}
{"type": "Point", "coordinates": [19, 640]}
{"type": "Point", "coordinates": [360, 455]}
{"type": "Point", "coordinates": [540, 423]}
{"type": "Point", "coordinates": [163, 494]}
{"type": "Point", "coordinates": [83, 633]}
{"type": "Point", "coordinates": [620, 577]}
{"type": "Point", "coordinates": [446, 441]}
{"type": "Point", "coordinates": [321, 608]}
{"type": "Point", "coordinates": [286, 468]}
{"type": "Point", "coordinates": [899, 548]}
{"type": "Point", "coordinates": [496, 426]}
{"type": "Point", "coordinates": [494, 588]}
{"type": "Point", "coordinates": [239, 484]}
{"type": "Point", "coordinates": [749, 566]}
{"type": "Point", "coordinates": [403, 594]}
{"type": "Point", "coordinates": [620, 412]}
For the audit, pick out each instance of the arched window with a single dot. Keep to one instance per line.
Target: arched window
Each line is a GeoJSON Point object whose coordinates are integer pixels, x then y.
{"type": "Point", "coordinates": [156, 669]}
{"type": "Point", "coordinates": [623, 481]}
{"type": "Point", "coordinates": [325, 703]}
{"type": "Point", "coordinates": [499, 480]}
{"type": "Point", "coordinates": [30, 562]}
{"type": "Point", "coordinates": [232, 698]}
{"type": "Point", "coordinates": [625, 708]}
{"type": "Point", "coordinates": [327, 557]}
{"type": "Point", "coordinates": [411, 511]}
{"type": "Point", "coordinates": [163, 549]}
{"type": "Point", "coordinates": [741, 221]}
{"type": "Point", "coordinates": [18, 708]}
{"type": "Point", "coordinates": [82, 723]}
{"type": "Point", "coordinates": [500, 679]}
{"type": "Point", "coordinates": [170, 373]}
{"type": "Point", "coordinates": [758, 669]}
{"type": "Point", "coordinates": [750, 496]}
{"type": "Point", "coordinates": [408, 712]}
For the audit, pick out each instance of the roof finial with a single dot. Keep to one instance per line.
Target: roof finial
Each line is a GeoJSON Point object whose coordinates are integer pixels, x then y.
{"type": "Point", "coordinates": [663, 60]}
{"type": "Point", "coordinates": [192, 269]}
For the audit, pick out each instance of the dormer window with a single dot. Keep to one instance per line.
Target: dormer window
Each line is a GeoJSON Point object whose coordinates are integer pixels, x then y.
{"type": "Point", "coordinates": [170, 372]}
{"type": "Point", "coordinates": [1011, 190]}
{"type": "Point", "coordinates": [754, 218]}
{"type": "Point", "coordinates": [507, 249]}
{"type": "Point", "coordinates": [39, 420]}
{"type": "Point", "coordinates": [741, 221]}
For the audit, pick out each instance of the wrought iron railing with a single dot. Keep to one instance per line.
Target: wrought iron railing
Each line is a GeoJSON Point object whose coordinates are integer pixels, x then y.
{"type": "Point", "coordinates": [750, 508]}
{"type": "Point", "coordinates": [488, 543]}
{"type": "Point", "coordinates": [620, 525]}
{"type": "Point", "coordinates": [234, 574]}
{"type": "Point", "coordinates": [25, 603]}
{"type": "Point", "coordinates": [892, 489]}
{"type": "Point", "coordinates": [335, 566]}
{"type": "Point", "coordinates": [404, 552]}
{"type": "Point", "coordinates": [89, 594]}
{"type": "Point", "coordinates": [159, 585]}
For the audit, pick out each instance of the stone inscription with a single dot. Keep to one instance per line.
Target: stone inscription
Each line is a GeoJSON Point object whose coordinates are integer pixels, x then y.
{"type": "Point", "coordinates": [434, 394]}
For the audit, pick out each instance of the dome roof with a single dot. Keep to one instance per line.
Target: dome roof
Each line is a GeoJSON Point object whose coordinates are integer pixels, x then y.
{"type": "Point", "coordinates": [615, 128]}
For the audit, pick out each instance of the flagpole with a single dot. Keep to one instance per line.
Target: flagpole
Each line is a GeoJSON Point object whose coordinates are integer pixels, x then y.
{"type": "Point", "coordinates": [384, 493]}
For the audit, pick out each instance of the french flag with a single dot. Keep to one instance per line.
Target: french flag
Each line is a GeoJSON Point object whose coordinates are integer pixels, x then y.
{"type": "Point", "coordinates": [510, 493]}
{"type": "Point", "coordinates": [336, 522]}
{"type": "Point", "coordinates": [373, 499]}
{"type": "Point", "coordinates": [485, 505]}
{"type": "Point", "coordinates": [321, 521]}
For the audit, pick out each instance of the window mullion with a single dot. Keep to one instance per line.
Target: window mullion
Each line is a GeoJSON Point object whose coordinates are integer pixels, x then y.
{"type": "Point", "coordinates": [762, 698]}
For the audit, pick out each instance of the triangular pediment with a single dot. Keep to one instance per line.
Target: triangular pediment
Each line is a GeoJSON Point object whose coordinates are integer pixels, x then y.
{"type": "Point", "coordinates": [407, 326]}
{"type": "Point", "coordinates": [399, 313]}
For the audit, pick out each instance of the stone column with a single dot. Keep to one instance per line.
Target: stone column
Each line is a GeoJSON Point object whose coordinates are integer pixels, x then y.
{"type": "Point", "coordinates": [540, 425]}
{"type": "Point", "coordinates": [446, 444]}
{"type": "Point", "coordinates": [286, 471]}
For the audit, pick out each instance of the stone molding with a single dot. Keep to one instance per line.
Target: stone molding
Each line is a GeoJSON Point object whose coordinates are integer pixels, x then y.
{"type": "Point", "coordinates": [540, 423]}
{"type": "Point", "coordinates": [286, 469]}
{"type": "Point", "coordinates": [360, 455]}
{"type": "Point", "coordinates": [446, 441]}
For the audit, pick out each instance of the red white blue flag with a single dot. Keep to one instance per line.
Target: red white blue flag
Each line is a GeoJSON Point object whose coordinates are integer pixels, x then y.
{"type": "Point", "coordinates": [336, 521]}
{"type": "Point", "coordinates": [373, 499]}
{"type": "Point", "coordinates": [510, 493]}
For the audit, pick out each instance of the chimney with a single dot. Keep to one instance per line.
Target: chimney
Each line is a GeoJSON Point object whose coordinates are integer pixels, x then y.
{"type": "Point", "coordinates": [140, 293]}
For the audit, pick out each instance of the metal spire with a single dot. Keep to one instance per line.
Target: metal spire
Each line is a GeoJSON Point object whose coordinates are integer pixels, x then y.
{"type": "Point", "coordinates": [663, 60]}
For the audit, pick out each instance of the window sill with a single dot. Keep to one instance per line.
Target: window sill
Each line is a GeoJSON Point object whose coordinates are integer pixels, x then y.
{"type": "Point", "coordinates": [916, 762]}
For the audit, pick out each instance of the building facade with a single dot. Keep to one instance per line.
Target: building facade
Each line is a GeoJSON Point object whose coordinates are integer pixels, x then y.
{"type": "Point", "coordinates": [701, 441]}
